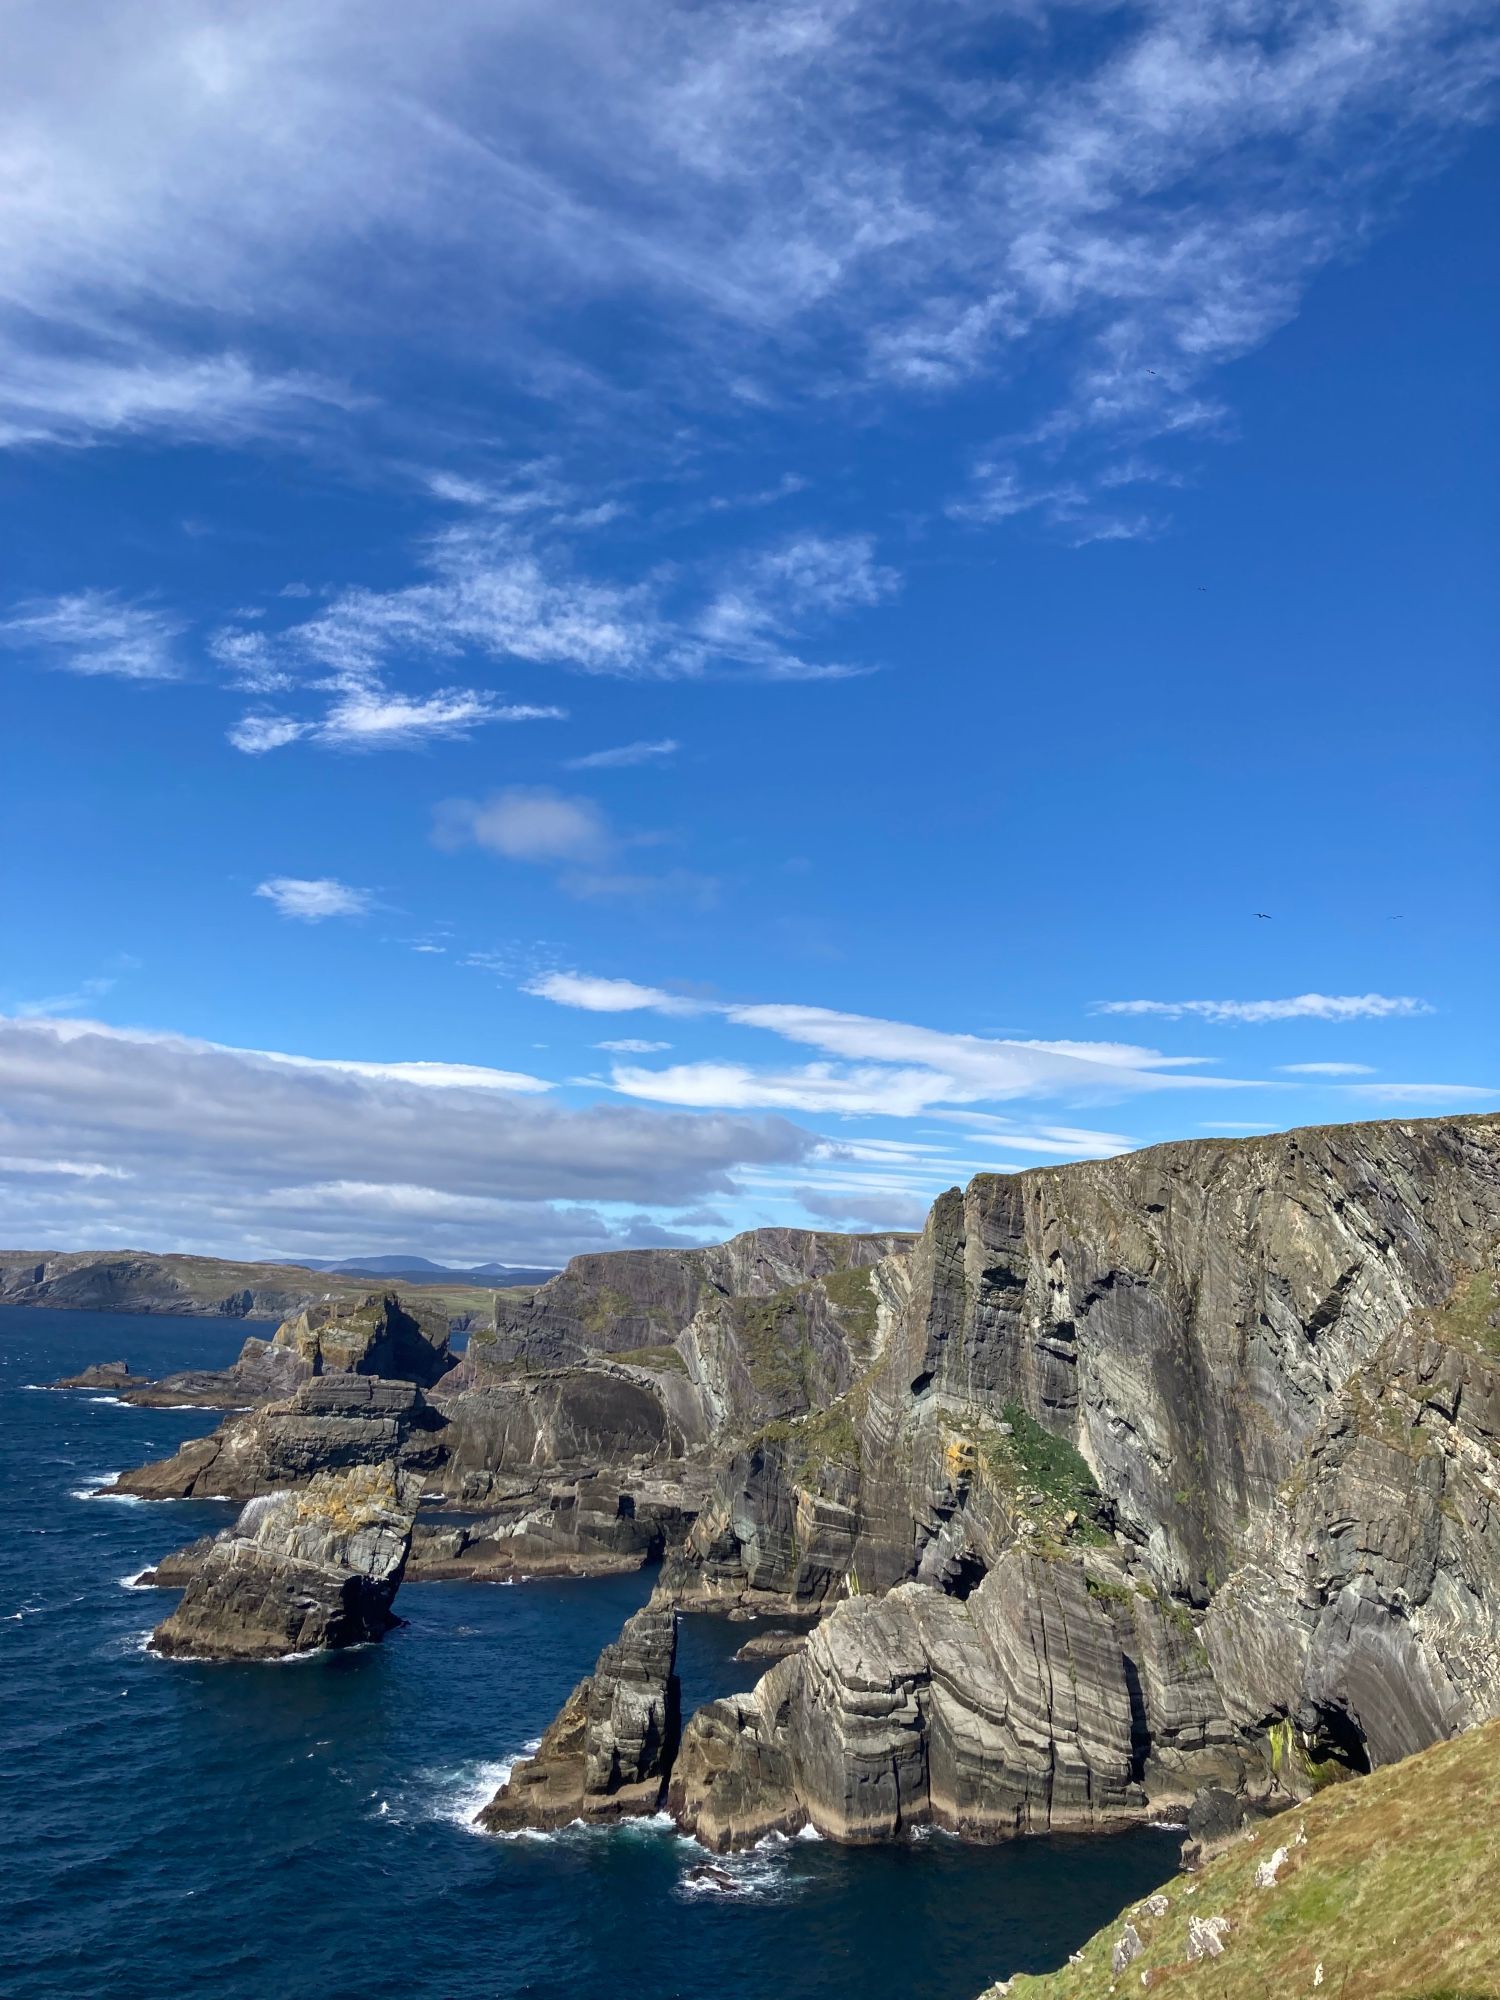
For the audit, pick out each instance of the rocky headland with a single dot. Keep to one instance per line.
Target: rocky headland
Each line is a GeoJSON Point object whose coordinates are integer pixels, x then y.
{"type": "Point", "coordinates": [298, 1572]}
{"type": "Point", "coordinates": [1162, 1484]}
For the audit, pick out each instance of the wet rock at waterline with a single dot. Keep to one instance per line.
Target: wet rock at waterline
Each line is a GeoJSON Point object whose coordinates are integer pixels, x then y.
{"type": "Point", "coordinates": [607, 1754]}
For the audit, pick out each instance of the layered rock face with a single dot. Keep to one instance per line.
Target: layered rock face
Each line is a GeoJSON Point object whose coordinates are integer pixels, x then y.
{"type": "Point", "coordinates": [1255, 1375]}
{"type": "Point", "coordinates": [1056, 1695]}
{"type": "Point", "coordinates": [331, 1423]}
{"type": "Point", "coordinates": [377, 1335]}
{"type": "Point", "coordinates": [298, 1572]}
{"type": "Point", "coordinates": [596, 1526]}
{"type": "Point", "coordinates": [608, 1753]}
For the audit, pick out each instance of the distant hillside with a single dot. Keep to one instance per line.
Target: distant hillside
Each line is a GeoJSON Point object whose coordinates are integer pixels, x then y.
{"type": "Point", "coordinates": [1394, 1893]}
{"type": "Point", "coordinates": [138, 1281]}
{"type": "Point", "coordinates": [422, 1271]}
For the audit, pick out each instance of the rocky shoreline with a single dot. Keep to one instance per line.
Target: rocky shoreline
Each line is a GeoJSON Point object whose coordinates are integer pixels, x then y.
{"type": "Point", "coordinates": [1159, 1486]}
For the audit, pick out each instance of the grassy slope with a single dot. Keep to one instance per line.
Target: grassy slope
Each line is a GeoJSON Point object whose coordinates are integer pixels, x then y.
{"type": "Point", "coordinates": [1396, 1892]}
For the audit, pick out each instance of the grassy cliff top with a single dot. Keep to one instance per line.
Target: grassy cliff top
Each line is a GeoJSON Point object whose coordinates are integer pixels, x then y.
{"type": "Point", "coordinates": [1394, 1893]}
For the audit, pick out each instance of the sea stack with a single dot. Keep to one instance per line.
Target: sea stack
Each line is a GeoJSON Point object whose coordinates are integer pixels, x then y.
{"type": "Point", "coordinates": [609, 1751]}
{"type": "Point", "coordinates": [299, 1572]}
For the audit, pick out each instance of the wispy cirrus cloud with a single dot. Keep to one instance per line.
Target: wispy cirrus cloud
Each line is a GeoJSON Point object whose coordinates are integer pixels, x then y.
{"type": "Point", "coordinates": [312, 900]}
{"type": "Point", "coordinates": [867, 1066]}
{"type": "Point", "coordinates": [1299, 1007]}
{"type": "Point", "coordinates": [904, 198]}
{"type": "Point", "coordinates": [625, 755]}
{"type": "Point", "coordinates": [98, 632]}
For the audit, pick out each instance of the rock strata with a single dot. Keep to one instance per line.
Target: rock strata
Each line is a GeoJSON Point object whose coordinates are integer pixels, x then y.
{"type": "Point", "coordinates": [607, 1754]}
{"type": "Point", "coordinates": [331, 1423]}
{"type": "Point", "coordinates": [298, 1572]}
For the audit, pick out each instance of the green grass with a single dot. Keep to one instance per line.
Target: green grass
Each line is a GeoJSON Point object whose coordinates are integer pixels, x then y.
{"type": "Point", "coordinates": [773, 1338]}
{"type": "Point", "coordinates": [826, 1439]}
{"type": "Point", "coordinates": [1471, 1318]}
{"type": "Point", "coordinates": [853, 1293]}
{"type": "Point", "coordinates": [1395, 1893]}
{"type": "Point", "coordinates": [1033, 1460]}
{"type": "Point", "coordinates": [664, 1358]}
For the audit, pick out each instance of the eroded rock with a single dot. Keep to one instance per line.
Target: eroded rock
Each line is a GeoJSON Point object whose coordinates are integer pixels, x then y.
{"type": "Point", "coordinates": [607, 1754]}
{"type": "Point", "coordinates": [298, 1572]}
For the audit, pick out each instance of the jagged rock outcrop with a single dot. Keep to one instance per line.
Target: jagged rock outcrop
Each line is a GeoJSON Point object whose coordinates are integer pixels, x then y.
{"type": "Point", "coordinates": [599, 1526]}
{"type": "Point", "coordinates": [379, 1336]}
{"type": "Point", "coordinates": [376, 1335]}
{"type": "Point", "coordinates": [331, 1423]}
{"type": "Point", "coordinates": [298, 1572]}
{"type": "Point", "coordinates": [1254, 1372]}
{"type": "Point", "coordinates": [113, 1376]}
{"type": "Point", "coordinates": [1058, 1694]}
{"type": "Point", "coordinates": [608, 1753]}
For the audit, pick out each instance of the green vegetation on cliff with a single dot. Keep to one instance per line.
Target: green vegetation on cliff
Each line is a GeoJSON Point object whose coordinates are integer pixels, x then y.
{"type": "Point", "coordinates": [1390, 1884]}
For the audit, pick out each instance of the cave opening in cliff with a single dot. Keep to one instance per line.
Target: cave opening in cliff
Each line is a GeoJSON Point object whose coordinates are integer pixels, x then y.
{"type": "Point", "coordinates": [1336, 1738]}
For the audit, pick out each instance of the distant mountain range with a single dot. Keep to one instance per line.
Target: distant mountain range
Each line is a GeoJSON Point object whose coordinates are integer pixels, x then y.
{"type": "Point", "coordinates": [422, 1270]}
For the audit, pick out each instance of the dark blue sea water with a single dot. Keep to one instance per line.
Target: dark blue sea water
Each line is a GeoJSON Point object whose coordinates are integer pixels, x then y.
{"type": "Point", "coordinates": [299, 1832]}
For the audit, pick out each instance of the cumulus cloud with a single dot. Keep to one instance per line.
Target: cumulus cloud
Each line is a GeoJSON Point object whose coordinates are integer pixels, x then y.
{"type": "Point", "coordinates": [1301, 1007]}
{"type": "Point", "coordinates": [97, 632]}
{"type": "Point", "coordinates": [309, 900]}
{"type": "Point", "coordinates": [264, 1151]}
{"type": "Point", "coordinates": [629, 1045]}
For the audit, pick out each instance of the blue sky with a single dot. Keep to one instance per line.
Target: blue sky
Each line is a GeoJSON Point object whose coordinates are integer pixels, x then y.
{"type": "Point", "coordinates": [626, 621]}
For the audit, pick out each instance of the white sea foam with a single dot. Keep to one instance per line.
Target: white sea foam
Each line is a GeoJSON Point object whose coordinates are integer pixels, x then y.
{"type": "Point", "coordinates": [466, 1791]}
{"type": "Point", "coordinates": [1167, 1825]}
{"type": "Point", "coordinates": [134, 1582]}
{"type": "Point", "coordinates": [118, 1402]}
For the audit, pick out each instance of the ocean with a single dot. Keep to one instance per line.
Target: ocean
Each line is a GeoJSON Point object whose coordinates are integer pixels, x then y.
{"type": "Point", "coordinates": [302, 1831]}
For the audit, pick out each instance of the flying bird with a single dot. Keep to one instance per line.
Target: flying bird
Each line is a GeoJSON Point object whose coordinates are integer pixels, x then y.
{"type": "Point", "coordinates": [1264, 915]}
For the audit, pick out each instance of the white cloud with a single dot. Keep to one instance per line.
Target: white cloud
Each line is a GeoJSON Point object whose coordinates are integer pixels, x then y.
{"type": "Point", "coordinates": [256, 734]}
{"type": "Point", "coordinates": [1326, 1069]}
{"type": "Point", "coordinates": [606, 996]}
{"type": "Point", "coordinates": [624, 755]}
{"type": "Point", "coordinates": [528, 823]}
{"type": "Point", "coordinates": [892, 1068]}
{"type": "Point", "coordinates": [1423, 1093]}
{"type": "Point", "coordinates": [780, 187]}
{"type": "Point", "coordinates": [97, 632]}
{"type": "Point", "coordinates": [311, 900]}
{"type": "Point", "coordinates": [82, 1170]}
{"type": "Point", "coordinates": [263, 1152]}
{"type": "Point", "coordinates": [1301, 1007]}
{"type": "Point", "coordinates": [368, 716]}
{"type": "Point", "coordinates": [628, 1045]}
{"type": "Point", "coordinates": [223, 399]}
